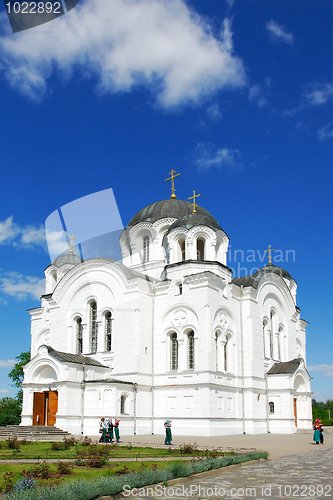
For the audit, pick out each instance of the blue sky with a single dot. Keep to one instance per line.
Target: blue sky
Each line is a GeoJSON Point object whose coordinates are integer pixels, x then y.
{"type": "Point", "coordinates": [237, 96]}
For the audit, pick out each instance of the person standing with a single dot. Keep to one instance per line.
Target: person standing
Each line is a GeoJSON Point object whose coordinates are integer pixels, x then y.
{"type": "Point", "coordinates": [316, 434]}
{"type": "Point", "coordinates": [168, 435]}
{"type": "Point", "coordinates": [101, 430]}
{"type": "Point", "coordinates": [111, 430]}
{"type": "Point", "coordinates": [116, 429]}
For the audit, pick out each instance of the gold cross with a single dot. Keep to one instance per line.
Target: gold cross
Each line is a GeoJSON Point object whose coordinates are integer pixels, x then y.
{"type": "Point", "coordinates": [70, 240]}
{"type": "Point", "coordinates": [173, 196]}
{"type": "Point", "coordinates": [269, 254]}
{"type": "Point", "coordinates": [194, 204]}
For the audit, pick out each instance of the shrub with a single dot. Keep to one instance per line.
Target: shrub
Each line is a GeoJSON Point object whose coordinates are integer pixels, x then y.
{"type": "Point", "coordinates": [123, 470]}
{"type": "Point", "coordinates": [57, 446]}
{"type": "Point", "coordinates": [8, 479]}
{"type": "Point", "coordinates": [64, 468]}
{"type": "Point", "coordinates": [25, 441]}
{"type": "Point", "coordinates": [26, 483]}
{"type": "Point", "coordinates": [41, 470]}
{"type": "Point", "coordinates": [86, 441]}
{"type": "Point", "coordinates": [69, 442]}
{"type": "Point", "coordinates": [13, 443]}
{"type": "Point", "coordinates": [188, 449]}
{"type": "Point", "coordinates": [95, 456]}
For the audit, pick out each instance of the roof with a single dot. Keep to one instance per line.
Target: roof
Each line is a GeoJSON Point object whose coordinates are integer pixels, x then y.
{"type": "Point", "coordinates": [73, 358]}
{"type": "Point", "coordinates": [166, 209]}
{"type": "Point", "coordinates": [191, 220]}
{"type": "Point", "coordinates": [255, 278]}
{"type": "Point", "coordinates": [285, 368]}
{"type": "Point", "coordinates": [69, 258]}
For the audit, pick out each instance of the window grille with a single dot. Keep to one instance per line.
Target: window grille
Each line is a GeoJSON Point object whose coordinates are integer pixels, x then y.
{"type": "Point", "coordinates": [145, 249]}
{"type": "Point", "coordinates": [173, 351]}
{"type": "Point", "coordinates": [271, 407]}
{"type": "Point", "coordinates": [108, 331]}
{"type": "Point", "coordinates": [93, 327]}
{"type": "Point", "coordinates": [79, 336]}
{"type": "Point", "coordinates": [190, 351]}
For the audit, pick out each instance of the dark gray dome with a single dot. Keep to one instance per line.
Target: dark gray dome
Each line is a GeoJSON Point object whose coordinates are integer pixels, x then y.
{"type": "Point", "coordinates": [174, 209]}
{"type": "Point", "coordinates": [272, 269]}
{"type": "Point", "coordinates": [69, 258]}
{"type": "Point", "coordinates": [189, 221]}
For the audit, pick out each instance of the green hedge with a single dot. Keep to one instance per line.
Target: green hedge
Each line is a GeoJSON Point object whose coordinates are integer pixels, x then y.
{"type": "Point", "coordinates": [89, 490]}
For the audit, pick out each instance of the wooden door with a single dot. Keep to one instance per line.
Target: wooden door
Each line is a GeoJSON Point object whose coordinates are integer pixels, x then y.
{"type": "Point", "coordinates": [38, 417]}
{"type": "Point", "coordinates": [295, 410]}
{"type": "Point", "coordinates": [52, 407]}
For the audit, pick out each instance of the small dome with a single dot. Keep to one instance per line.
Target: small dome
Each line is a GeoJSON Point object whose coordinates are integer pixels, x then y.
{"type": "Point", "coordinates": [189, 221]}
{"type": "Point", "coordinates": [165, 209]}
{"type": "Point", "coordinates": [272, 269]}
{"type": "Point", "coordinates": [69, 258]}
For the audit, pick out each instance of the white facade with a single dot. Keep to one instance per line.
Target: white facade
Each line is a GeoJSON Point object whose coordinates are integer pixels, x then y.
{"type": "Point", "coordinates": [168, 333]}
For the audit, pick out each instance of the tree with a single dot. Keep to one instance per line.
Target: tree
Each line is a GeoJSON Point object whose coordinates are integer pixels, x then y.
{"type": "Point", "coordinates": [17, 375]}
{"type": "Point", "coordinates": [10, 411]}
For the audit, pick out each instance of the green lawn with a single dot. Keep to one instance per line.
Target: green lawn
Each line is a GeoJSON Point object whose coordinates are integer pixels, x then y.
{"type": "Point", "coordinates": [78, 472]}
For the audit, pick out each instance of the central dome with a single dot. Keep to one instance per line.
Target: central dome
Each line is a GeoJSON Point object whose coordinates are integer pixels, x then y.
{"type": "Point", "coordinates": [165, 209]}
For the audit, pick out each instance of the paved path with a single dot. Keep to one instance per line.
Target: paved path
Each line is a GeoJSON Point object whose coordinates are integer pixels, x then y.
{"type": "Point", "coordinates": [305, 475]}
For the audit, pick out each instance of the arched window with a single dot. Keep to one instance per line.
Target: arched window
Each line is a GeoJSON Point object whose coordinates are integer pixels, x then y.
{"type": "Point", "coordinates": [108, 331]}
{"type": "Point", "coordinates": [173, 352]}
{"type": "Point", "coordinates": [278, 342]}
{"type": "Point", "coordinates": [225, 354]}
{"type": "Point", "coordinates": [271, 407]}
{"type": "Point", "coordinates": [217, 353]}
{"type": "Point", "coordinates": [79, 336]}
{"type": "Point", "coordinates": [123, 404]}
{"type": "Point", "coordinates": [93, 327]}
{"type": "Point", "coordinates": [271, 338]}
{"type": "Point", "coordinates": [200, 249]}
{"type": "Point", "coordinates": [190, 351]}
{"type": "Point", "coordinates": [264, 334]}
{"type": "Point", "coordinates": [146, 249]}
{"type": "Point", "coordinates": [181, 244]}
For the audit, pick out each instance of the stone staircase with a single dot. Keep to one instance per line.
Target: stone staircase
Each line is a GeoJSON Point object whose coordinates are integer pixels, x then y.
{"type": "Point", "coordinates": [33, 433]}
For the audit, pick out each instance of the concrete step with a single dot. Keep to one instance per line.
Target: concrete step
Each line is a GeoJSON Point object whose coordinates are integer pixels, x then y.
{"type": "Point", "coordinates": [33, 433]}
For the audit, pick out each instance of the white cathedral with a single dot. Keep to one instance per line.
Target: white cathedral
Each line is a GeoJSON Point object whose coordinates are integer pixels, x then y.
{"type": "Point", "coordinates": [167, 333]}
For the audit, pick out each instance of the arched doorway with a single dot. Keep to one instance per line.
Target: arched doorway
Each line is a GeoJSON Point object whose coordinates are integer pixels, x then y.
{"type": "Point", "coordinates": [45, 403]}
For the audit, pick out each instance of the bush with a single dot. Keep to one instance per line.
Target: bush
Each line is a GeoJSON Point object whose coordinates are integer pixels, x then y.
{"type": "Point", "coordinates": [124, 470]}
{"type": "Point", "coordinates": [64, 468]}
{"type": "Point", "coordinates": [13, 443]}
{"type": "Point", "coordinates": [26, 483]}
{"type": "Point", "coordinates": [188, 449]}
{"type": "Point", "coordinates": [57, 446]}
{"type": "Point", "coordinates": [8, 479]}
{"type": "Point", "coordinates": [86, 441]}
{"type": "Point", "coordinates": [41, 470]}
{"type": "Point", "coordinates": [95, 456]}
{"type": "Point", "coordinates": [69, 442]}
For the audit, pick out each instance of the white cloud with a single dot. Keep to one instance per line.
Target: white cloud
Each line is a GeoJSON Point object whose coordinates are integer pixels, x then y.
{"type": "Point", "coordinates": [317, 94]}
{"type": "Point", "coordinates": [12, 233]}
{"type": "Point", "coordinates": [159, 44]}
{"type": "Point", "coordinates": [325, 133]}
{"type": "Point", "coordinates": [208, 156]}
{"type": "Point", "coordinates": [325, 370]}
{"type": "Point", "coordinates": [4, 391]}
{"type": "Point", "coordinates": [257, 95]}
{"type": "Point", "coordinates": [7, 363]}
{"type": "Point", "coordinates": [21, 287]}
{"type": "Point", "coordinates": [8, 230]}
{"type": "Point", "coordinates": [213, 112]}
{"type": "Point", "coordinates": [278, 33]}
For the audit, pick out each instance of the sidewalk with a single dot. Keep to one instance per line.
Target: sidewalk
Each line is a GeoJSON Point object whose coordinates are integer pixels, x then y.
{"type": "Point", "coordinates": [277, 445]}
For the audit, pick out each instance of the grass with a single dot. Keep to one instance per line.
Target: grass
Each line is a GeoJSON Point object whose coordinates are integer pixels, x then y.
{"type": "Point", "coordinates": [43, 451]}
{"type": "Point", "coordinates": [110, 484]}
